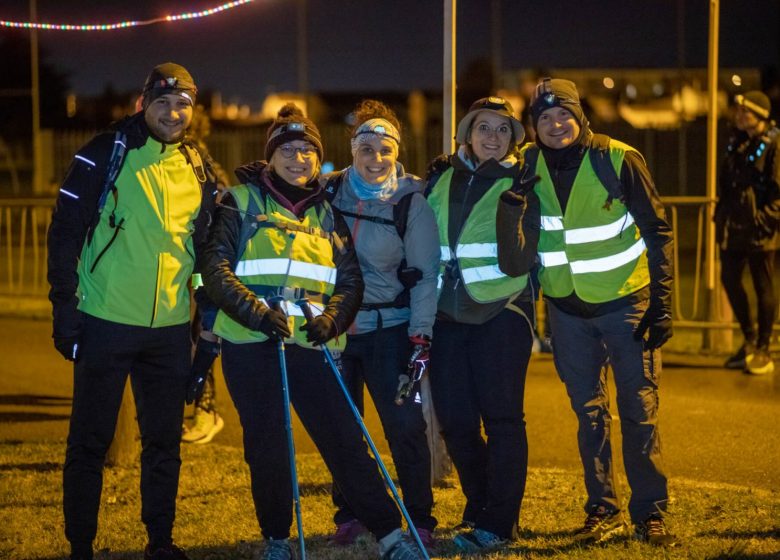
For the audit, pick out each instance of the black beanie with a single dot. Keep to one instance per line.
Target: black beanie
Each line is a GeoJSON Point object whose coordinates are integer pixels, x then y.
{"type": "Point", "coordinates": [169, 78]}
{"type": "Point", "coordinates": [290, 124]}
{"type": "Point", "coordinates": [555, 92]}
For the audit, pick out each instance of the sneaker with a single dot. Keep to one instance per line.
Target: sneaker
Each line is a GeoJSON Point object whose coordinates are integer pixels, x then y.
{"type": "Point", "coordinates": [760, 363]}
{"type": "Point", "coordinates": [277, 549]}
{"type": "Point", "coordinates": [653, 531]}
{"type": "Point", "coordinates": [741, 357]}
{"type": "Point", "coordinates": [427, 538]}
{"type": "Point", "coordinates": [347, 533]}
{"type": "Point", "coordinates": [405, 548]}
{"type": "Point", "coordinates": [168, 552]}
{"type": "Point", "coordinates": [478, 540]}
{"type": "Point", "coordinates": [207, 425]}
{"type": "Point", "coordinates": [600, 524]}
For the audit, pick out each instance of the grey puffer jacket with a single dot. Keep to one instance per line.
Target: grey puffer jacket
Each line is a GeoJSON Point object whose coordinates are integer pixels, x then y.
{"type": "Point", "coordinates": [380, 251]}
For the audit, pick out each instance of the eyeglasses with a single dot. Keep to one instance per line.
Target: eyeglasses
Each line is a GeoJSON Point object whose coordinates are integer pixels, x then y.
{"type": "Point", "coordinates": [289, 151]}
{"type": "Point", "coordinates": [502, 131]}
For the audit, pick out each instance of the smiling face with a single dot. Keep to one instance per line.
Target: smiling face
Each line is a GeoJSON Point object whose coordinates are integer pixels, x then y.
{"type": "Point", "coordinates": [375, 158]}
{"type": "Point", "coordinates": [168, 117]}
{"type": "Point", "coordinates": [490, 136]}
{"type": "Point", "coordinates": [557, 128]}
{"type": "Point", "coordinates": [295, 162]}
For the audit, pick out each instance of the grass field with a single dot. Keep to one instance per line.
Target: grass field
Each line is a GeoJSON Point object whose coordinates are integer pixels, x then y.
{"type": "Point", "coordinates": [216, 519]}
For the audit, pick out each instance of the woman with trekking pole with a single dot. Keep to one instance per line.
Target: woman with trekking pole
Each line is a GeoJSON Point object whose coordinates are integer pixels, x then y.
{"type": "Point", "coordinates": [276, 240]}
{"type": "Point", "coordinates": [484, 323]}
{"type": "Point", "coordinates": [397, 243]}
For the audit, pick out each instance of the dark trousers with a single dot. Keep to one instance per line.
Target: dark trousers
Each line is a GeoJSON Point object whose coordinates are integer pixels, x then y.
{"type": "Point", "coordinates": [478, 375]}
{"type": "Point", "coordinates": [581, 349]}
{"type": "Point", "coordinates": [761, 265]}
{"type": "Point", "coordinates": [377, 359]}
{"type": "Point", "coordinates": [254, 381]}
{"type": "Point", "coordinates": [158, 361]}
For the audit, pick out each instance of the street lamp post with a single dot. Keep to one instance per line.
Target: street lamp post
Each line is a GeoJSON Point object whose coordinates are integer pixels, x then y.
{"type": "Point", "coordinates": [37, 179]}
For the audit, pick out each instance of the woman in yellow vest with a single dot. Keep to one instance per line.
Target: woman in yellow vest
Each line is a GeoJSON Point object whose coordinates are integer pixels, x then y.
{"type": "Point", "coordinates": [483, 329]}
{"type": "Point", "coordinates": [276, 239]}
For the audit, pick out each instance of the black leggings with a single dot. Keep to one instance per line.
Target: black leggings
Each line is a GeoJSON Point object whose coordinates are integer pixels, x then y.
{"type": "Point", "coordinates": [761, 264]}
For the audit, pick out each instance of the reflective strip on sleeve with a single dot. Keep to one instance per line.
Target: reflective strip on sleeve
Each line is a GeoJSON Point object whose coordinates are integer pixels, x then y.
{"type": "Point", "coordinates": [82, 158]}
{"type": "Point", "coordinates": [477, 250]}
{"type": "Point", "coordinates": [553, 258]}
{"type": "Point", "coordinates": [446, 254]}
{"type": "Point", "coordinates": [481, 274]}
{"type": "Point", "coordinates": [552, 223]}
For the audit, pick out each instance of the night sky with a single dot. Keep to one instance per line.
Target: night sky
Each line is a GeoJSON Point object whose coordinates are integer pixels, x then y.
{"type": "Point", "coordinates": [367, 46]}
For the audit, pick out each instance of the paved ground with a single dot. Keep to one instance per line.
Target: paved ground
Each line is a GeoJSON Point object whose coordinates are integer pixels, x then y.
{"type": "Point", "coordinates": [717, 425]}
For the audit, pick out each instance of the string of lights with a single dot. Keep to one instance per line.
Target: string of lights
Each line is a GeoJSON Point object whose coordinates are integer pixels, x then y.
{"type": "Point", "coordinates": [121, 24]}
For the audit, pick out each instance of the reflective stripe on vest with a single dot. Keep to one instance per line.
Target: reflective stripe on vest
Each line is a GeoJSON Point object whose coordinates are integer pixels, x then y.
{"type": "Point", "coordinates": [283, 258]}
{"type": "Point", "coordinates": [476, 250]}
{"type": "Point", "coordinates": [595, 251]}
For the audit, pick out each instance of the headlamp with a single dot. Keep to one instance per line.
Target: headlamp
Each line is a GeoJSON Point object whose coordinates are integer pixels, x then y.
{"type": "Point", "coordinates": [289, 127]}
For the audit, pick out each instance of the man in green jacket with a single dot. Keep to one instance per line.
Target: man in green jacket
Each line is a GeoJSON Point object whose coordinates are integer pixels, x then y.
{"type": "Point", "coordinates": [131, 216]}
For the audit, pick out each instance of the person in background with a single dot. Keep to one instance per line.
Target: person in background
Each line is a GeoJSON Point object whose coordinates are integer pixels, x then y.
{"type": "Point", "coordinates": [128, 231]}
{"type": "Point", "coordinates": [484, 324]}
{"type": "Point", "coordinates": [275, 240]}
{"type": "Point", "coordinates": [747, 221]}
{"type": "Point", "coordinates": [605, 270]}
{"type": "Point", "coordinates": [391, 335]}
{"type": "Point", "coordinates": [207, 421]}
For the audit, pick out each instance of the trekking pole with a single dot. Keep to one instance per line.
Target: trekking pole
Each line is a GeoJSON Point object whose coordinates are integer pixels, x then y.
{"type": "Point", "coordinates": [275, 303]}
{"type": "Point", "coordinates": [304, 305]}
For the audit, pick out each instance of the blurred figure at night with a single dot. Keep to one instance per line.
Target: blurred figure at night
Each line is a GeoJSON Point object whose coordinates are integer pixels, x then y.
{"type": "Point", "coordinates": [747, 219]}
{"type": "Point", "coordinates": [297, 247]}
{"type": "Point", "coordinates": [127, 234]}
{"type": "Point", "coordinates": [391, 335]}
{"type": "Point", "coordinates": [605, 270]}
{"type": "Point", "coordinates": [207, 421]}
{"type": "Point", "coordinates": [484, 324]}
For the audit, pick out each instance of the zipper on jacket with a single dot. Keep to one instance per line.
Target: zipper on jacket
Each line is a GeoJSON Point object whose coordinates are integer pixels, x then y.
{"type": "Point", "coordinates": [156, 292]}
{"type": "Point", "coordinates": [108, 245]}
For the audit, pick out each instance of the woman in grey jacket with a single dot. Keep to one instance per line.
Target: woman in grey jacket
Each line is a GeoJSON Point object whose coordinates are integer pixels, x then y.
{"type": "Point", "coordinates": [395, 235]}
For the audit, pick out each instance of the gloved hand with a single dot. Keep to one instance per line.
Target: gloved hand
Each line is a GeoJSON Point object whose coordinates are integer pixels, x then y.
{"type": "Point", "coordinates": [206, 351]}
{"type": "Point", "coordinates": [319, 330]}
{"type": "Point", "coordinates": [657, 324]}
{"type": "Point", "coordinates": [67, 329]}
{"type": "Point", "coordinates": [419, 359]}
{"type": "Point", "coordinates": [68, 346]}
{"type": "Point", "coordinates": [274, 324]}
{"type": "Point", "coordinates": [521, 186]}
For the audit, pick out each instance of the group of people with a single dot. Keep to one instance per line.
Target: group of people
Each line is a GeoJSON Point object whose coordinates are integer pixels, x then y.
{"type": "Point", "coordinates": [401, 273]}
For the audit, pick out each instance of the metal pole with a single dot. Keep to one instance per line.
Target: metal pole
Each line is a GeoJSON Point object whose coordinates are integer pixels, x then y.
{"type": "Point", "coordinates": [495, 43]}
{"type": "Point", "coordinates": [37, 180]}
{"type": "Point", "coordinates": [449, 84]}
{"type": "Point", "coordinates": [303, 61]}
{"type": "Point", "coordinates": [712, 142]}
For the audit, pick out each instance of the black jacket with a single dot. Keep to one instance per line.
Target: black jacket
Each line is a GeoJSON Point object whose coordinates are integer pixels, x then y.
{"type": "Point", "coordinates": [642, 201]}
{"type": "Point", "coordinates": [467, 187]}
{"type": "Point", "coordinates": [76, 212]}
{"type": "Point", "coordinates": [747, 216]}
{"type": "Point", "coordinates": [239, 302]}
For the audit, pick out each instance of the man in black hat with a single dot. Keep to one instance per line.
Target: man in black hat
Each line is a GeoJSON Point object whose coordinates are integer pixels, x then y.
{"type": "Point", "coordinates": [747, 219]}
{"type": "Point", "coordinates": [606, 272]}
{"type": "Point", "coordinates": [131, 217]}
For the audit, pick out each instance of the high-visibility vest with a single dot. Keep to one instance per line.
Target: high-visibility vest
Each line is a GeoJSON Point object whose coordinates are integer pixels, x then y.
{"type": "Point", "coordinates": [288, 257]}
{"type": "Point", "coordinates": [593, 249]}
{"type": "Point", "coordinates": [476, 250]}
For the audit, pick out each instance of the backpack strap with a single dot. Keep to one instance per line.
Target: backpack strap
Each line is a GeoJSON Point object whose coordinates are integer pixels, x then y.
{"type": "Point", "coordinates": [333, 184]}
{"type": "Point", "coordinates": [601, 162]}
{"type": "Point", "coordinates": [531, 155]}
{"type": "Point", "coordinates": [115, 162]}
{"type": "Point", "coordinates": [401, 214]}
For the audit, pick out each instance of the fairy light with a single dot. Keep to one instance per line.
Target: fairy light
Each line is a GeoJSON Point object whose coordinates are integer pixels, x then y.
{"type": "Point", "coordinates": [121, 24]}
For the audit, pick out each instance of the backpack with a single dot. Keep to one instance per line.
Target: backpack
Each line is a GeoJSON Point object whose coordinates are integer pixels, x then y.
{"type": "Point", "coordinates": [602, 165]}
{"type": "Point", "coordinates": [408, 276]}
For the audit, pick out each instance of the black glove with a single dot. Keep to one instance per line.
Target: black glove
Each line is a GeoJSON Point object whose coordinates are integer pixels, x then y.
{"type": "Point", "coordinates": [319, 330]}
{"type": "Point", "coordinates": [274, 324]}
{"type": "Point", "coordinates": [419, 358]}
{"type": "Point", "coordinates": [657, 323]}
{"type": "Point", "coordinates": [68, 346]}
{"type": "Point", "coordinates": [521, 186]}
{"type": "Point", "coordinates": [206, 351]}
